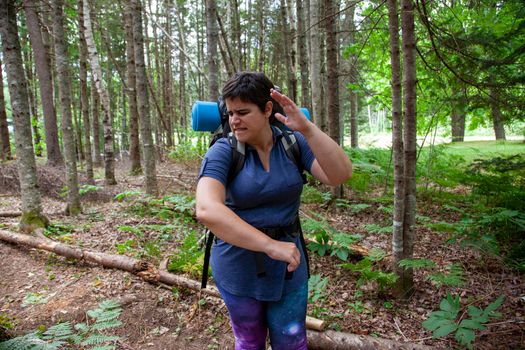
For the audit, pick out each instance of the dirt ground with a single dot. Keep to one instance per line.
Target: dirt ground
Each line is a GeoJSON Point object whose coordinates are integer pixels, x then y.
{"type": "Point", "coordinates": [155, 317]}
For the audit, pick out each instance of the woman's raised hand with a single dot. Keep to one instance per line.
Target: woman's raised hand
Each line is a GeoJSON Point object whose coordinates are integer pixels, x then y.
{"type": "Point", "coordinates": [294, 118]}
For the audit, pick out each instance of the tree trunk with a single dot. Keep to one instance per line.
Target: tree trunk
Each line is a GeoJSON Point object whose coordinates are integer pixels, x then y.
{"type": "Point", "coordinates": [182, 72]}
{"type": "Point", "coordinates": [410, 127]}
{"type": "Point", "coordinates": [397, 142]}
{"type": "Point", "coordinates": [261, 5]}
{"type": "Point", "coordinates": [134, 143]}
{"type": "Point", "coordinates": [303, 55]}
{"type": "Point", "coordinates": [32, 216]}
{"type": "Point", "coordinates": [212, 35]}
{"type": "Point", "coordinates": [95, 108]}
{"type": "Point", "coordinates": [333, 71]}
{"type": "Point", "coordinates": [5, 144]}
{"type": "Point", "coordinates": [109, 156]}
{"type": "Point", "coordinates": [291, 80]}
{"type": "Point", "coordinates": [316, 61]}
{"type": "Point", "coordinates": [458, 123]}
{"type": "Point", "coordinates": [33, 110]}
{"type": "Point", "coordinates": [84, 100]}
{"type": "Point", "coordinates": [497, 117]}
{"type": "Point", "coordinates": [64, 77]}
{"type": "Point", "coordinates": [43, 70]}
{"type": "Point", "coordinates": [148, 148]}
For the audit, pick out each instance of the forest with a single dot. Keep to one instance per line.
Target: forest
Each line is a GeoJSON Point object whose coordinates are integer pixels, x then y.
{"type": "Point", "coordinates": [423, 247]}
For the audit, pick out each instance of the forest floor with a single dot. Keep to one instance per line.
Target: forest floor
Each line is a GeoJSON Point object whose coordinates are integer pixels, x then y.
{"type": "Point", "coordinates": [41, 288]}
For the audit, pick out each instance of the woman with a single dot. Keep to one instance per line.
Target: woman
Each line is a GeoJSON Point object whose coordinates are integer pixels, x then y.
{"type": "Point", "coordinates": [265, 194]}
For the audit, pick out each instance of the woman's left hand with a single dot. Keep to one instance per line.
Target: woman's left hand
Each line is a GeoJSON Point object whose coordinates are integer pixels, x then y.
{"type": "Point", "coordinates": [294, 118]}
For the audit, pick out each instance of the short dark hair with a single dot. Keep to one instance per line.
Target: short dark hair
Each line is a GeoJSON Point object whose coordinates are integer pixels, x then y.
{"type": "Point", "coordinates": [251, 87]}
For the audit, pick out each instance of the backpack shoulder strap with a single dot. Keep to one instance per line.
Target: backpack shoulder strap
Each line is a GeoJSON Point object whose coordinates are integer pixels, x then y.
{"type": "Point", "coordinates": [293, 151]}
{"type": "Point", "coordinates": [238, 156]}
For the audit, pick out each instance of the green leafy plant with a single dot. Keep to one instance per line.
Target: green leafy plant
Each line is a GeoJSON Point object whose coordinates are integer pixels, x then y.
{"type": "Point", "coordinates": [84, 189]}
{"type": "Point", "coordinates": [375, 228]}
{"type": "Point", "coordinates": [357, 208]}
{"type": "Point", "coordinates": [6, 324]}
{"type": "Point", "coordinates": [188, 257]}
{"type": "Point", "coordinates": [367, 273]}
{"type": "Point", "coordinates": [446, 321]}
{"type": "Point", "coordinates": [34, 299]}
{"type": "Point", "coordinates": [317, 293]}
{"type": "Point", "coordinates": [128, 194]}
{"type": "Point", "coordinates": [58, 230]}
{"type": "Point", "coordinates": [454, 277]}
{"type": "Point", "coordinates": [89, 335]}
{"type": "Point", "coordinates": [417, 263]}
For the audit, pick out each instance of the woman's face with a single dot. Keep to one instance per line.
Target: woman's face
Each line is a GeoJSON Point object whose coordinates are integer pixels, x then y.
{"type": "Point", "coordinates": [246, 119]}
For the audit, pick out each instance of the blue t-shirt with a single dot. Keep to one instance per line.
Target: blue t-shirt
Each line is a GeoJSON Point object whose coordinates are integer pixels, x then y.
{"type": "Point", "coordinates": [262, 199]}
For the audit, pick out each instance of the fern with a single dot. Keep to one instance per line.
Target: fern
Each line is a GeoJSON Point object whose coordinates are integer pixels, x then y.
{"type": "Point", "coordinates": [105, 317]}
{"type": "Point", "coordinates": [417, 263]}
{"type": "Point", "coordinates": [453, 278]}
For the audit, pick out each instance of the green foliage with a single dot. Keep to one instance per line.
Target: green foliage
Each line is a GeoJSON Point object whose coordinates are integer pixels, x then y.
{"type": "Point", "coordinates": [317, 293]}
{"type": "Point", "coordinates": [500, 179]}
{"type": "Point", "coordinates": [327, 239]}
{"type": "Point", "coordinates": [84, 189]}
{"type": "Point", "coordinates": [128, 194]}
{"type": "Point", "coordinates": [174, 207]}
{"type": "Point", "coordinates": [417, 263]}
{"type": "Point", "coordinates": [6, 324]}
{"type": "Point", "coordinates": [186, 151]}
{"type": "Point", "coordinates": [375, 228]}
{"type": "Point", "coordinates": [445, 321]}
{"type": "Point", "coordinates": [453, 278]}
{"type": "Point", "coordinates": [89, 335]}
{"type": "Point", "coordinates": [33, 299]}
{"type": "Point", "coordinates": [367, 273]}
{"type": "Point", "coordinates": [188, 257]}
{"type": "Point", "coordinates": [316, 288]}
{"type": "Point", "coordinates": [58, 230]}
{"type": "Point", "coordinates": [311, 195]}
{"type": "Point", "coordinates": [357, 208]}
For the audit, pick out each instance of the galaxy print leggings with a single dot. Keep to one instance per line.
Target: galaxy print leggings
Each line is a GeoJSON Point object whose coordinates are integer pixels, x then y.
{"type": "Point", "coordinates": [252, 319]}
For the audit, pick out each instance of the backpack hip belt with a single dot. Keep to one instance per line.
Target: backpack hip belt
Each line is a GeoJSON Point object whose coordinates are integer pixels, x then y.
{"type": "Point", "coordinates": [292, 230]}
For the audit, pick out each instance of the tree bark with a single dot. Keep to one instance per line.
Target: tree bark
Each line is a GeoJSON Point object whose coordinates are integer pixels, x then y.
{"type": "Point", "coordinates": [31, 94]}
{"type": "Point", "coordinates": [43, 70]}
{"type": "Point", "coordinates": [316, 60]}
{"type": "Point", "coordinates": [84, 100]}
{"type": "Point", "coordinates": [289, 53]}
{"type": "Point", "coordinates": [148, 148]}
{"type": "Point", "coordinates": [5, 145]}
{"type": "Point", "coordinates": [32, 216]}
{"type": "Point", "coordinates": [109, 154]}
{"type": "Point", "coordinates": [95, 115]}
{"type": "Point", "coordinates": [406, 281]}
{"type": "Point", "coordinates": [333, 71]}
{"type": "Point", "coordinates": [303, 56]}
{"type": "Point", "coordinates": [64, 77]}
{"type": "Point", "coordinates": [134, 146]}
{"type": "Point", "coordinates": [397, 141]}
{"type": "Point", "coordinates": [497, 117]}
{"type": "Point", "coordinates": [212, 35]}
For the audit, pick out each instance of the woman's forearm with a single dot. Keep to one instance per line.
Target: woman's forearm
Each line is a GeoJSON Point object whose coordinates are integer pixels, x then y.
{"type": "Point", "coordinates": [331, 157]}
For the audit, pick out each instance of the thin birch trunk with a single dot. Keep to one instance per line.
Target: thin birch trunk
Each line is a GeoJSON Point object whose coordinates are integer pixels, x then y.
{"type": "Point", "coordinates": [84, 99]}
{"type": "Point", "coordinates": [32, 216]}
{"type": "Point", "coordinates": [109, 156]}
{"type": "Point", "coordinates": [409, 142]}
{"type": "Point", "coordinates": [95, 115]}
{"type": "Point", "coordinates": [5, 145]}
{"type": "Point", "coordinates": [64, 77]}
{"type": "Point", "coordinates": [148, 148]}
{"type": "Point", "coordinates": [131, 91]}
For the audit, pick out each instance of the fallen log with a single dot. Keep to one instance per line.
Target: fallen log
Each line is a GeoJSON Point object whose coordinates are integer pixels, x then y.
{"type": "Point", "coordinates": [143, 269]}
{"type": "Point", "coordinates": [10, 214]}
{"type": "Point", "coordinates": [346, 341]}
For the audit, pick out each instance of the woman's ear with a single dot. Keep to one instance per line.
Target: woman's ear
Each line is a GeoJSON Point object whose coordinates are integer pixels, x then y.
{"type": "Point", "coordinates": [268, 109]}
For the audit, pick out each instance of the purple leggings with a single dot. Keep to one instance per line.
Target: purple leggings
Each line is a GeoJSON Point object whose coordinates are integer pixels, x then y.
{"type": "Point", "coordinates": [251, 320]}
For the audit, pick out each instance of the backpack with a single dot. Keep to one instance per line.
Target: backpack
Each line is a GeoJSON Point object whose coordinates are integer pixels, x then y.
{"type": "Point", "coordinates": [291, 147]}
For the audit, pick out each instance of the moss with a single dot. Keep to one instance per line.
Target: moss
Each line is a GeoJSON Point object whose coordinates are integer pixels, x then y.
{"type": "Point", "coordinates": [32, 220]}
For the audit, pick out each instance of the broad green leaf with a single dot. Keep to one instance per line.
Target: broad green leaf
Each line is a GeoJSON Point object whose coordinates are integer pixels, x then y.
{"type": "Point", "coordinates": [444, 330]}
